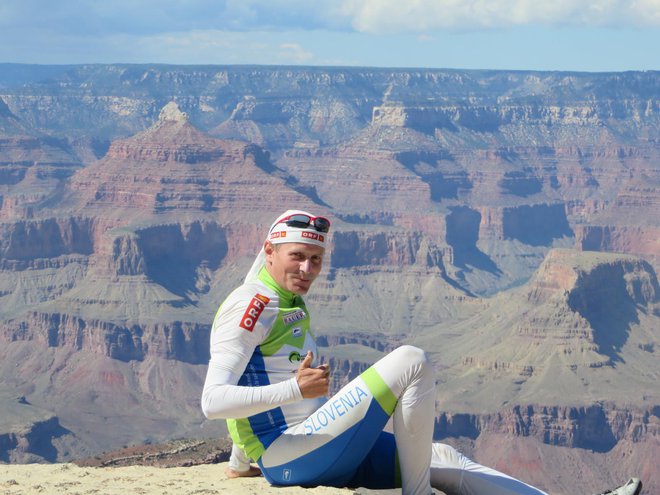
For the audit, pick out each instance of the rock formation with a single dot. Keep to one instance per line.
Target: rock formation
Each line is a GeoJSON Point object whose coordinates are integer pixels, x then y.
{"type": "Point", "coordinates": [464, 204]}
{"type": "Point", "coordinates": [28, 433]}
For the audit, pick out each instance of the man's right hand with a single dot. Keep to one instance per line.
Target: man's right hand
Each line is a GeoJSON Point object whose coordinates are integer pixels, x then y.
{"type": "Point", "coordinates": [313, 382]}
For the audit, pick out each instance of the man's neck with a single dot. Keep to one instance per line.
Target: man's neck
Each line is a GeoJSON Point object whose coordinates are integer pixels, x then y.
{"type": "Point", "coordinates": [269, 281]}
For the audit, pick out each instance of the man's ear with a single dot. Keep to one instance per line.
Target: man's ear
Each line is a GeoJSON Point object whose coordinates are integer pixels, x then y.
{"type": "Point", "coordinates": [269, 249]}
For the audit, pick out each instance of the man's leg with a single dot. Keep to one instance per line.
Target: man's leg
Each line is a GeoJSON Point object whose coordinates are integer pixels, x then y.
{"type": "Point", "coordinates": [414, 418]}
{"type": "Point", "coordinates": [455, 474]}
{"type": "Point", "coordinates": [328, 447]}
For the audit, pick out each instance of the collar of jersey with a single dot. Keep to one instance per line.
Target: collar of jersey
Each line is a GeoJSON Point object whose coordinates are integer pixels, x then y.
{"type": "Point", "coordinates": [285, 296]}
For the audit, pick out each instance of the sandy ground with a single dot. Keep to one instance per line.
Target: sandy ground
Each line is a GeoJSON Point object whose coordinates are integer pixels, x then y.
{"type": "Point", "coordinates": [46, 479]}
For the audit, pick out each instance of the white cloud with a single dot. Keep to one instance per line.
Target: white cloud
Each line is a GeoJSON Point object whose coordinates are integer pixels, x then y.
{"type": "Point", "coordinates": [294, 53]}
{"type": "Point", "coordinates": [94, 17]}
{"type": "Point", "coordinates": [285, 31]}
{"type": "Point", "coordinates": [210, 47]}
{"type": "Point", "coordinates": [648, 10]}
{"type": "Point", "coordinates": [419, 16]}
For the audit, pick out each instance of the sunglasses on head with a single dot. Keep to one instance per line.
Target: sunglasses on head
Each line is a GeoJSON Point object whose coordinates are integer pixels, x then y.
{"type": "Point", "coordinates": [302, 221]}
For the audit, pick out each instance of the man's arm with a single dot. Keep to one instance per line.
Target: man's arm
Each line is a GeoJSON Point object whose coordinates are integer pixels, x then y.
{"type": "Point", "coordinates": [222, 399]}
{"type": "Point", "coordinates": [232, 347]}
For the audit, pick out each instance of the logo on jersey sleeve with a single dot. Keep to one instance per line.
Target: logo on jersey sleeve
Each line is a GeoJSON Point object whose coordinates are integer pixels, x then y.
{"type": "Point", "coordinates": [253, 311]}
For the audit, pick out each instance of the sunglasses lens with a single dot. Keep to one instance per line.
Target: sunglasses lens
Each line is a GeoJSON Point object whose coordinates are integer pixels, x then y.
{"type": "Point", "coordinates": [322, 224]}
{"type": "Point", "coordinates": [298, 221]}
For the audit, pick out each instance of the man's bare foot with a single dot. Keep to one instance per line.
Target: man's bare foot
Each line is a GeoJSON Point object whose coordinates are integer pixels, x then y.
{"type": "Point", "coordinates": [253, 471]}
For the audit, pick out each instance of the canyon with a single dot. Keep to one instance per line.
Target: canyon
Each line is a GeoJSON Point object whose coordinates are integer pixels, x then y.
{"type": "Point", "coordinates": [506, 222]}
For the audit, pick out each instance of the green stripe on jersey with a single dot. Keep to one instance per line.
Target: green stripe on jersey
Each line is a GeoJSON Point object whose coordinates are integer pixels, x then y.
{"type": "Point", "coordinates": [381, 392]}
{"type": "Point", "coordinates": [244, 438]}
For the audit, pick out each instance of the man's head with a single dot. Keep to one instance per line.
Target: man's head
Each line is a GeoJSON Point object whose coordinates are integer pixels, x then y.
{"type": "Point", "coordinates": [294, 265]}
{"type": "Point", "coordinates": [294, 249]}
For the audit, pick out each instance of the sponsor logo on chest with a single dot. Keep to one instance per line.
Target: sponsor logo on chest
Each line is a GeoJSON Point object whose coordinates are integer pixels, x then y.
{"type": "Point", "coordinates": [294, 316]}
{"type": "Point", "coordinates": [295, 356]}
{"type": "Point", "coordinates": [253, 311]}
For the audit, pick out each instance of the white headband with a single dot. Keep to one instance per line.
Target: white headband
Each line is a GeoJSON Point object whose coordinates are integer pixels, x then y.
{"type": "Point", "coordinates": [282, 233]}
{"type": "Point", "coordinates": [279, 233]}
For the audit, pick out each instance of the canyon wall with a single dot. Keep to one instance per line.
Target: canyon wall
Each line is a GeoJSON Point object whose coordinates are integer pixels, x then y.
{"type": "Point", "coordinates": [466, 208]}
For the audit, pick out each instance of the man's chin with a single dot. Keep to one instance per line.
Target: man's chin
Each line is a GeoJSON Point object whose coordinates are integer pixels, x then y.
{"type": "Point", "coordinates": [300, 290]}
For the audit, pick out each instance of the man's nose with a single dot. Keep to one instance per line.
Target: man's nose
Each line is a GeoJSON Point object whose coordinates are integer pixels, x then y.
{"type": "Point", "coordinates": [305, 266]}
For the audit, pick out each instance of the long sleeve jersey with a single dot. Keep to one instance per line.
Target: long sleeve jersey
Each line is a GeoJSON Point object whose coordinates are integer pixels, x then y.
{"type": "Point", "coordinates": [259, 336]}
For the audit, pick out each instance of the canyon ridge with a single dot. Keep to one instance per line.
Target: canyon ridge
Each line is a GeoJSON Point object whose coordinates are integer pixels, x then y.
{"type": "Point", "coordinates": [506, 222]}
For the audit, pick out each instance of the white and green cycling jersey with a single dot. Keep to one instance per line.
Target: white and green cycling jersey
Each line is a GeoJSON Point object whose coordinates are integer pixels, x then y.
{"type": "Point", "coordinates": [264, 330]}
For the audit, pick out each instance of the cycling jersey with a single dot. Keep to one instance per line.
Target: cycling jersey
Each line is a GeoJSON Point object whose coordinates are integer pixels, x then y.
{"type": "Point", "coordinates": [265, 331]}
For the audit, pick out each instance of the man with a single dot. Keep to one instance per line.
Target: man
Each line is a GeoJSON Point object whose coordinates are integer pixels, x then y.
{"type": "Point", "coordinates": [265, 379]}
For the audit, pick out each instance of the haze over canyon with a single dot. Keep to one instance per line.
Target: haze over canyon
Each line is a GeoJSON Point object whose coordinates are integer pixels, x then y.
{"type": "Point", "coordinates": [506, 222]}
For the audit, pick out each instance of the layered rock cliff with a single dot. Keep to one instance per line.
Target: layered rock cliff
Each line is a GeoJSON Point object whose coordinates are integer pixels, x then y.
{"type": "Point", "coordinates": [134, 198]}
{"type": "Point", "coordinates": [598, 427]}
{"type": "Point", "coordinates": [181, 341]}
{"type": "Point", "coordinates": [27, 433]}
{"type": "Point", "coordinates": [585, 321]}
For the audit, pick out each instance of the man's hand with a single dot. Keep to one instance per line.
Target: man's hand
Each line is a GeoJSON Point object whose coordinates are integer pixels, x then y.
{"type": "Point", "coordinates": [313, 382]}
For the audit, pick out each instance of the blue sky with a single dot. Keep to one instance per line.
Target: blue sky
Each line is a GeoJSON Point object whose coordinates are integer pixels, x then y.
{"type": "Point", "coordinates": [580, 35]}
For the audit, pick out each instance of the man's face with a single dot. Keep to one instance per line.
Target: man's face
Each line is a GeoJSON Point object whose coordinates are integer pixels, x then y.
{"type": "Point", "coordinates": [294, 265]}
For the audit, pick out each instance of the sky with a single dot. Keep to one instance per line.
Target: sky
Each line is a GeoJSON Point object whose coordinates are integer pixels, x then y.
{"type": "Point", "coordinates": [558, 35]}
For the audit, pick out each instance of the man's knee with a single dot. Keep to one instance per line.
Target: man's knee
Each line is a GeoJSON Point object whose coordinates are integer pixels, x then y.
{"type": "Point", "coordinates": [405, 363]}
{"type": "Point", "coordinates": [411, 354]}
{"type": "Point", "coordinates": [446, 457]}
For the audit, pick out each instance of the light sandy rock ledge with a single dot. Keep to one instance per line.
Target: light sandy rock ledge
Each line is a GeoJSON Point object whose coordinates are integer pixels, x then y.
{"type": "Point", "coordinates": [207, 479]}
